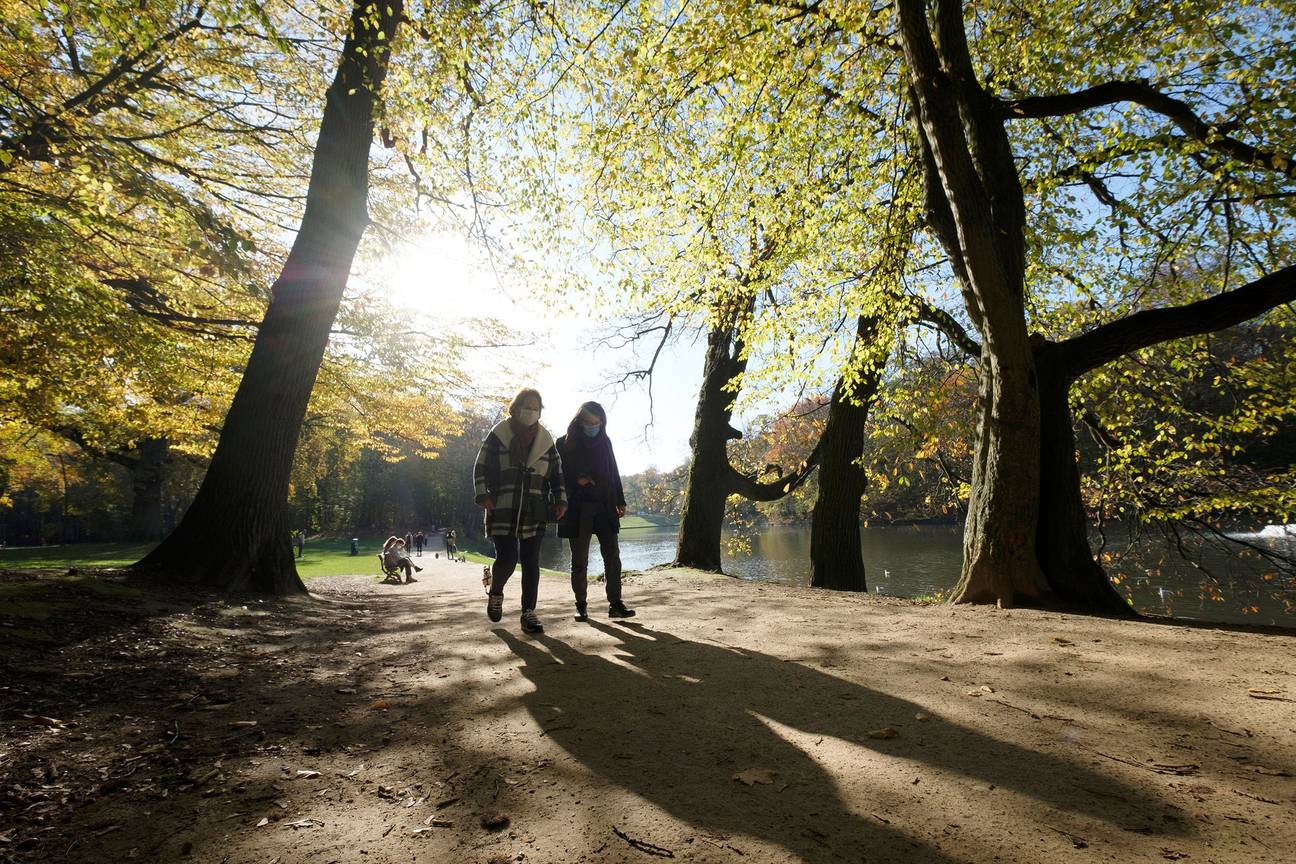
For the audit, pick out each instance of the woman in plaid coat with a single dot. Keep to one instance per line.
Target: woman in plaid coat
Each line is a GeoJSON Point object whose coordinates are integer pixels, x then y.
{"type": "Point", "coordinates": [519, 483]}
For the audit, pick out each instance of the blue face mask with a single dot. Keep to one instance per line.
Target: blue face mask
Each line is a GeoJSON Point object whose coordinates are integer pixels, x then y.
{"type": "Point", "coordinates": [591, 431]}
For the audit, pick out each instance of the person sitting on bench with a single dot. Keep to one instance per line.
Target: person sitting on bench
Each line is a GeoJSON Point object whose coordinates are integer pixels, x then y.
{"type": "Point", "coordinates": [396, 558]}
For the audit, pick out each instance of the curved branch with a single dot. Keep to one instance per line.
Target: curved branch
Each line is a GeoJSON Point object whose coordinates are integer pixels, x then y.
{"type": "Point", "coordinates": [1080, 354]}
{"type": "Point", "coordinates": [773, 490]}
{"type": "Point", "coordinates": [1142, 93]}
{"type": "Point", "coordinates": [947, 324]}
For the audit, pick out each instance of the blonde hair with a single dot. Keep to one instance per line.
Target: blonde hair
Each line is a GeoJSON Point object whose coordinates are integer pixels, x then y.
{"type": "Point", "coordinates": [521, 396]}
{"type": "Point", "coordinates": [392, 540]}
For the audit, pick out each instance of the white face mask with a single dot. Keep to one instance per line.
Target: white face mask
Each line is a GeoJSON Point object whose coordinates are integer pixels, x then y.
{"type": "Point", "coordinates": [528, 416]}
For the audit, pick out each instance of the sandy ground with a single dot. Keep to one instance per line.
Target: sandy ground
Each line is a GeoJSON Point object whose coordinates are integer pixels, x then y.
{"type": "Point", "coordinates": [728, 722]}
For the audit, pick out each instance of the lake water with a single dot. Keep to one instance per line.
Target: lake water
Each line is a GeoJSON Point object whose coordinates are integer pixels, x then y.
{"type": "Point", "coordinates": [910, 561]}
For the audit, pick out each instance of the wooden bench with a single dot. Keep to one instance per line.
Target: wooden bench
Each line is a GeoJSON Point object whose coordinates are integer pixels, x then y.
{"type": "Point", "coordinates": [391, 575]}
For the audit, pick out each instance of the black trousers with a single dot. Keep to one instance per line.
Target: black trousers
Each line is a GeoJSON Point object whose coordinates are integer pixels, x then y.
{"type": "Point", "coordinates": [508, 551]}
{"type": "Point", "coordinates": [611, 553]}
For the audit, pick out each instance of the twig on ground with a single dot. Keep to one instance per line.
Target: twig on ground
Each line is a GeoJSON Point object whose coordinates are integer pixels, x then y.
{"type": "Point", "coordinates": [1180, 770]}
{"type": "Point", "coordinates": [1255, 797]}
{"type": "Point", "coordinates": [1026, 711]}
{"type": "Point", "coordinates": [643, 845]}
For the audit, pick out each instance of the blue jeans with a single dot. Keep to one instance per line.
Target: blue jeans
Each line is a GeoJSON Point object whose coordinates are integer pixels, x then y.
{"type": "Point", "coordinates": [508, 551]}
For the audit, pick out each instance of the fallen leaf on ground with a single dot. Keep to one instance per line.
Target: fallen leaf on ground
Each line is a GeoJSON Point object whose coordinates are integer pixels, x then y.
{"type": "Point", "coordinates": [1062, 641]}
{"type": "Point", "coordinates": [346, 691]}
{"type": "Point", "coordinates": [495, 822]}
{"type": "Point", "coordinates": [306, 823]}
{"type": "Point", "coordinates": [265, 820]}
{"type": "Point", "coordinates": [307, 775]}
{"type": "Point", "coordinates": [884, 733]}
{"type": "Point", "coordinates": [921, 717]}
{"type": "Point", "coordinates": [380, 705]}
{"type": "Point", "coordinates": [752, 776]}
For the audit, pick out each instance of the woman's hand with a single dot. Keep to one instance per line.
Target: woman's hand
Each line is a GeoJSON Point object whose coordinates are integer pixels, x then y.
{"type": "Point", "coordinates": [487, 503]}
{"type": "Point", "coordinates": [584, 480]}
{"type": "Point", "coordinates": [560, 511]}
{"type": "Point", "coordinates": [620, 511]}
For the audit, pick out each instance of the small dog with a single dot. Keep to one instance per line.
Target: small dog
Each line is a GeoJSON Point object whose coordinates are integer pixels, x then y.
{"type": "Point", "coordinates": [486, 577]}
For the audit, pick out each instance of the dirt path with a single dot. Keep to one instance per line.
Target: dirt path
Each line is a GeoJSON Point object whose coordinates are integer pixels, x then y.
{"type": "Point", "coordinates": [729, 722]}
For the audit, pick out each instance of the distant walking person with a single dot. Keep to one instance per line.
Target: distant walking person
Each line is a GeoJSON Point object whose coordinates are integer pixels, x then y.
{"type": "Point", "coordinates": [451, 549]}
{"type": "Point", "coordinates": [397, 557]}
{"type": "Point", "coordinates": [299, 540]}
{"type": "Point", "coordinates": [418, 543]}
{"type": "Point", "coordinates": [409, 542]}
{"type": "Point", "coordinates": [518, 478]}
{"type": "Point", "coordinates": [597, 505]}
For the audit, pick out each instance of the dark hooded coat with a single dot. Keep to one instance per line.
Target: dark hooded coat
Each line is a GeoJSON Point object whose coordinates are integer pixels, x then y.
{"type": "Point", "coordinates": [593, 505]}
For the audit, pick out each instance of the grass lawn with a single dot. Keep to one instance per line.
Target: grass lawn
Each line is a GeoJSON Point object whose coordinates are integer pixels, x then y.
{"type": "Point", "coordinates": [637, 521]}
{"type": "Point", "coordinates": [73, 555]}
{"type": "Point", "coordinates": [325, 556]}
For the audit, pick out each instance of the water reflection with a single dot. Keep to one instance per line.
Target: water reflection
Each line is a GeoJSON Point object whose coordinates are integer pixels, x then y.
{"type": "Point", "coordinates": [918, 560]}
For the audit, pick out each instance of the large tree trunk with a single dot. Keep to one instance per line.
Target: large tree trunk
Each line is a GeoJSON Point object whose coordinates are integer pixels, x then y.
{"type": "Point", "coordinates": [977, 210]}
{"type": "Point", "coordinates": [148, 471]}
{"type": "Point", "coordinates": [1062, 535]}
{"type": "Point", "coordinates": [836, 554]}
{"type": "Point", "coordinates": [999, 536]}
{"type": "Point", "coordinates": [708, 482]}
{"type": "Point", "coordinates": [836, 557]}
{"type": "Point", "coordinates": [235, 535]}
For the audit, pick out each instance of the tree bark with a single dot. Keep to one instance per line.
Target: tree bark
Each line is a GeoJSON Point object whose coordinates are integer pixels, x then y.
{"type": "Point", "coordinates": [708, 488]}
{"type": "Point", "coordinates": [235, 535]}
{"type": "Point", "coordinates": [978, 213]}
{"type": "Point", "coordinates": [836, 554]}
{"type": "Point", "coordinates": [1062, 533]}
{"type": "Point", "coordinates": [148, 470]}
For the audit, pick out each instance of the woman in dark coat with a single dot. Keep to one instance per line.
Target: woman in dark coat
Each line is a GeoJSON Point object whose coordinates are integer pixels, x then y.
{"type": "Point", "coordinates": [519, 482]}
{"type": "Point", "coordinates": [597, 504]}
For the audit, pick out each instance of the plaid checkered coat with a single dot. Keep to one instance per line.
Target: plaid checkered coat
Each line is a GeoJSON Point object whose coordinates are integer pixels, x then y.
{"type": "Point", "coordinates": [525, 495]}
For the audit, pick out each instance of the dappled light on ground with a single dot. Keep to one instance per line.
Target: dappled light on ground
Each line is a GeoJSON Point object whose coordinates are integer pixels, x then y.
{"type": "Point", "coordinates": [729, 721]}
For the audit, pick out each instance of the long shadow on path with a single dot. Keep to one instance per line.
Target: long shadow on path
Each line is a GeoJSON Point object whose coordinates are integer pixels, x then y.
{"type": "Point", "coordinates": [672, 720]}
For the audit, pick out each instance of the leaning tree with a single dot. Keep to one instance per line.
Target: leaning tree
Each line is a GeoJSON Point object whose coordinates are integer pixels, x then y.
{"type": "Point", "coordinates": [238, 519]}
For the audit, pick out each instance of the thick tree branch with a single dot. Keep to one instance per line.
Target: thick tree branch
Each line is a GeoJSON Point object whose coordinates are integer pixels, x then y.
{"type": "Point", "coordinates": [1080, 354]}
{"type": "Point", "coordinates": [145, 299]}
{"type": "Point", "coordinates": [1143, 93]}
{"type": "Point", "coordinates": [773, 490]}
{"type": "Point", "coordinates": [947, 324]}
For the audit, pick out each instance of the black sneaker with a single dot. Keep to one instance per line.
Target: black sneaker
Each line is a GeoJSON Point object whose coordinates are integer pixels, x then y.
{"type": "Point", "coordinates": [494, 606]}
{"type": "Point", "coordinates": [530, 623]}
{"type": "Point", "coordinates": [581, 614]}
{"type": "Point", "coordinates": [418, 569]}
{"type": "Point", "coordinates": [620, 610]}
